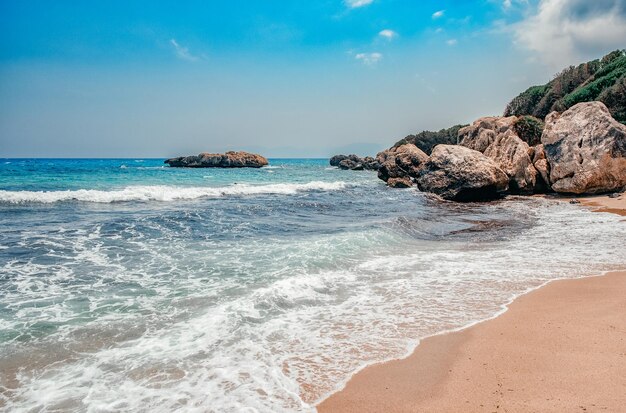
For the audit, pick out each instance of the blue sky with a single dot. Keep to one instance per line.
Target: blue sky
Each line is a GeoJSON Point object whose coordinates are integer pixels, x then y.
{"type": "Point", "coordinates": [285, 78]}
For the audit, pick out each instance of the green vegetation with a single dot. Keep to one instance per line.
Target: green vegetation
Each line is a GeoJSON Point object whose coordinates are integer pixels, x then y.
{"type": "Point", "coordinates": [427, 140]}
{"type": "Point", "coordinates": [529, 129]}
{"type": "Point", "coordinates": [602, 79]}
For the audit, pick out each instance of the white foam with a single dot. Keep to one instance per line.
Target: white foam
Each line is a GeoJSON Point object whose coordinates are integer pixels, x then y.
{"type": "Point", "coordinates": [270, 316]}
{"type": "Point", "coordinates": [163, 193]}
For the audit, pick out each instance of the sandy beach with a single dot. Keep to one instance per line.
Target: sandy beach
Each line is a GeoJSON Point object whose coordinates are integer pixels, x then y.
{"type": "Point", "coordinates": [561, 348]}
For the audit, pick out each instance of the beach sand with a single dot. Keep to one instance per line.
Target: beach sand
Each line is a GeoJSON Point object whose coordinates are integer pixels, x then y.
{"type": "Point", "coordinates": [561, 348]}
{"type": "Point", "coordinates": [603, 203]}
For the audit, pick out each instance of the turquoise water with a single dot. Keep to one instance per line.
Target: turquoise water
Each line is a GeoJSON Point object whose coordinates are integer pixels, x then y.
{"type": "Point", "coordinates": [126, 285]}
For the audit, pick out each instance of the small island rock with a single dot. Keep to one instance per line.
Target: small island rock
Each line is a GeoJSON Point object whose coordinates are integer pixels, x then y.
{"type": "Point", "coordinates": [229, 159]}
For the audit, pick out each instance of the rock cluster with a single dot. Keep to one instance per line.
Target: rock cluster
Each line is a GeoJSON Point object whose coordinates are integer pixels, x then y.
{"type": "Point", "coordinates": [354, 162]}
{"type": "Point", "coordinates": [582, 150]}
{"type": "Point", "coordinates": [216, 160]}
{"type": "Point", "coordinates": [496, 138]}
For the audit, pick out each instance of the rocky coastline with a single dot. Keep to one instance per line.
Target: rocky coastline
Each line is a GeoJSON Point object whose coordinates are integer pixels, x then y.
{"type": "Point", "coordinates": [579, 151]}
{"type": "Point", "coordinates": [229, 159]}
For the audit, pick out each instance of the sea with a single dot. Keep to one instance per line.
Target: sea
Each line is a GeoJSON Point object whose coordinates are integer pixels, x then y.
{"type": "Point", "coordinates": [127, 285]}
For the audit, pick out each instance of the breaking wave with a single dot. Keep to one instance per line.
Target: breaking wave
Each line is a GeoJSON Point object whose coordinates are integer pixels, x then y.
{"type": "Point", "coordinates": [163, 193]}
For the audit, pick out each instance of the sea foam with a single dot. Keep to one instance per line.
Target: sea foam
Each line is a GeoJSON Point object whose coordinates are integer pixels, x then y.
{"type": "Point", "coordinates": [163, 193]}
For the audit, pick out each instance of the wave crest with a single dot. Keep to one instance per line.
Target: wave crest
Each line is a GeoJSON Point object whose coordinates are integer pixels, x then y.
{"type": "Point", "coordinates": [163, 193]}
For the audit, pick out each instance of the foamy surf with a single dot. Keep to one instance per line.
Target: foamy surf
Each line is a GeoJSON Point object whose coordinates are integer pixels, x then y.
{"type": "Point", "coordinates": [163, 193]}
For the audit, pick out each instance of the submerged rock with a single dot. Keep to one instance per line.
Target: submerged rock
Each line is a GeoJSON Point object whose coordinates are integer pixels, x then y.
{"type": "Point", "coordinates": [461, 174]}
{"type": "Point", "coordinates": [215, 160]}
{"type": "Point", "coordinates": [586, 150]}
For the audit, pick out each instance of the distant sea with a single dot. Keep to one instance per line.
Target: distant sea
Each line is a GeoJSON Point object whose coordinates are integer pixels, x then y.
{"type": "Point", "coordinates": [127, 285]}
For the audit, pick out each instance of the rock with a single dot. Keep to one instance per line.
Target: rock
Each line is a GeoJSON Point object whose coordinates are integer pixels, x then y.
{"type": "Point", "coordinates": [400, 182]}
{"type": "Point", "coordinates": [215, 160]}
{"type": "Point", "coordinates": [347, 164]}
{"type": "Point", "coordinates": [403, 161]}
{"type": "Point", "coordinates": [615, 195]}
{"type": "Point", "coordinates": [574, 201]}
{"type": "Point", "coordinates": [543, 168]}
{"type": "Point", "coordinates": [335, 160]}
{"type": "Point", "coordinates": [462, 174]}
{"type": "Point", "coordinates": [586, 150]}
{"type": "Point", "coordinates": [482, 133]}
{"type": "Point", "coordinates": [354, 162]}
{"type": "Point", "coordinates": [497, 138]}
{"type": "Point", "coordinates": [370, 163]}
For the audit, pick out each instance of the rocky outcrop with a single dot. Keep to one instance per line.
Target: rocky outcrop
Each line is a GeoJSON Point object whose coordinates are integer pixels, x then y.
{"type": "Point", "coordinates": [354, 162]}
{"type": "Point", "coordinates": [461, 174]}
{"type": "Point", "coordinates": [404, 162]}
{"type": "Point", "coordinates": [586, 150]}
{"type": "Point", "coordinates": [215, 160]}
{"type": "Point", "coordinates": [497, 138]}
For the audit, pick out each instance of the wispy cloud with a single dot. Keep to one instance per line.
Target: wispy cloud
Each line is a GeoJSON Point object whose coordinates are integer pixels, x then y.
{"type": "Point", "coordinates": [182, 52]}
{"type": "Point", "coordinates": [438, 14]}
{"type": "Point", "coordinates": [452, 42]}
{"type": "Point", "coordinates": [354, 4]}
{"type": "Point", "coordinates": [509, 4]}
{"type": "Point", "coordinates": [369, 58]}
{"type": "Point", "coordinates": [387, 34]}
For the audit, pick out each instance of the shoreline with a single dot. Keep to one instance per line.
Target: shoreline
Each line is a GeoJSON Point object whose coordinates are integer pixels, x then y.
{"type": "Point", "coordinates": [419, 380]}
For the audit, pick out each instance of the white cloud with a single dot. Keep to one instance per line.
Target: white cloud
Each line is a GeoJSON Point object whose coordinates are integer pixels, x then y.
{"type": "Point", "coordinates": [438, 14]}
{"type": "Point", "coordinates": [563, 32]}
{"type": "Point", "coordinates": [387, 34]}
{"type": "Point", "coordinates": [452, 42]}
{"type": "Point", "coordinates": [354, 4]}
{"type": "Point", "coordinates": [508, 4]}
{"type": "Point", "coordinates": [369, 58]}
{"type": "Point", "coordinates": [183, 52]}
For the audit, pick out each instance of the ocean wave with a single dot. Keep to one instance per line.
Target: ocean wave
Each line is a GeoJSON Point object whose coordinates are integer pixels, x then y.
{"type": "Point", "coordinates": [163, 193]}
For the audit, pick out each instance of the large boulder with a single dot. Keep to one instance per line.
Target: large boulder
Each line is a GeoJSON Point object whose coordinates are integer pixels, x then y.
{"type": "Point", "coordinates": [216, 160]}
{"type": "Point", "coordinates": [498, 139]}
{"type": "Point", "coordinates": [403, 161]}
{"type": "Point", "coordinates": [586, 150]}
{"type": "Point", "coordinates": [461, 174]}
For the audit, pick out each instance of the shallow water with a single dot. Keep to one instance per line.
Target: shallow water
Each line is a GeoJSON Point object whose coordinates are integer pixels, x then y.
{"type": "Point", "coordinates": [125, 285]}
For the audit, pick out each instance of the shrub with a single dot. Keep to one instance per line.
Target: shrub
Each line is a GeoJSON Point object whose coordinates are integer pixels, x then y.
{"type": "Point", "coordinates": [601, 79]}
{"type": "Point", "coordinates": [529, 129]}
{"type": "Point", "coordinates": [427, 140]}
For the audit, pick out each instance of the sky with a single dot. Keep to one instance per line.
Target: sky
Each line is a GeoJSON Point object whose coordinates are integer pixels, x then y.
{"type": "Point", "coordinates": [285, 78]}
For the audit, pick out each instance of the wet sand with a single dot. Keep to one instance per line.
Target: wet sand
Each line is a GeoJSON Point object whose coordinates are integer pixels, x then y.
{"type": "Point", "coordinates": [603, 203]}
{"type": "Point", "coordinates": [561, 348]}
